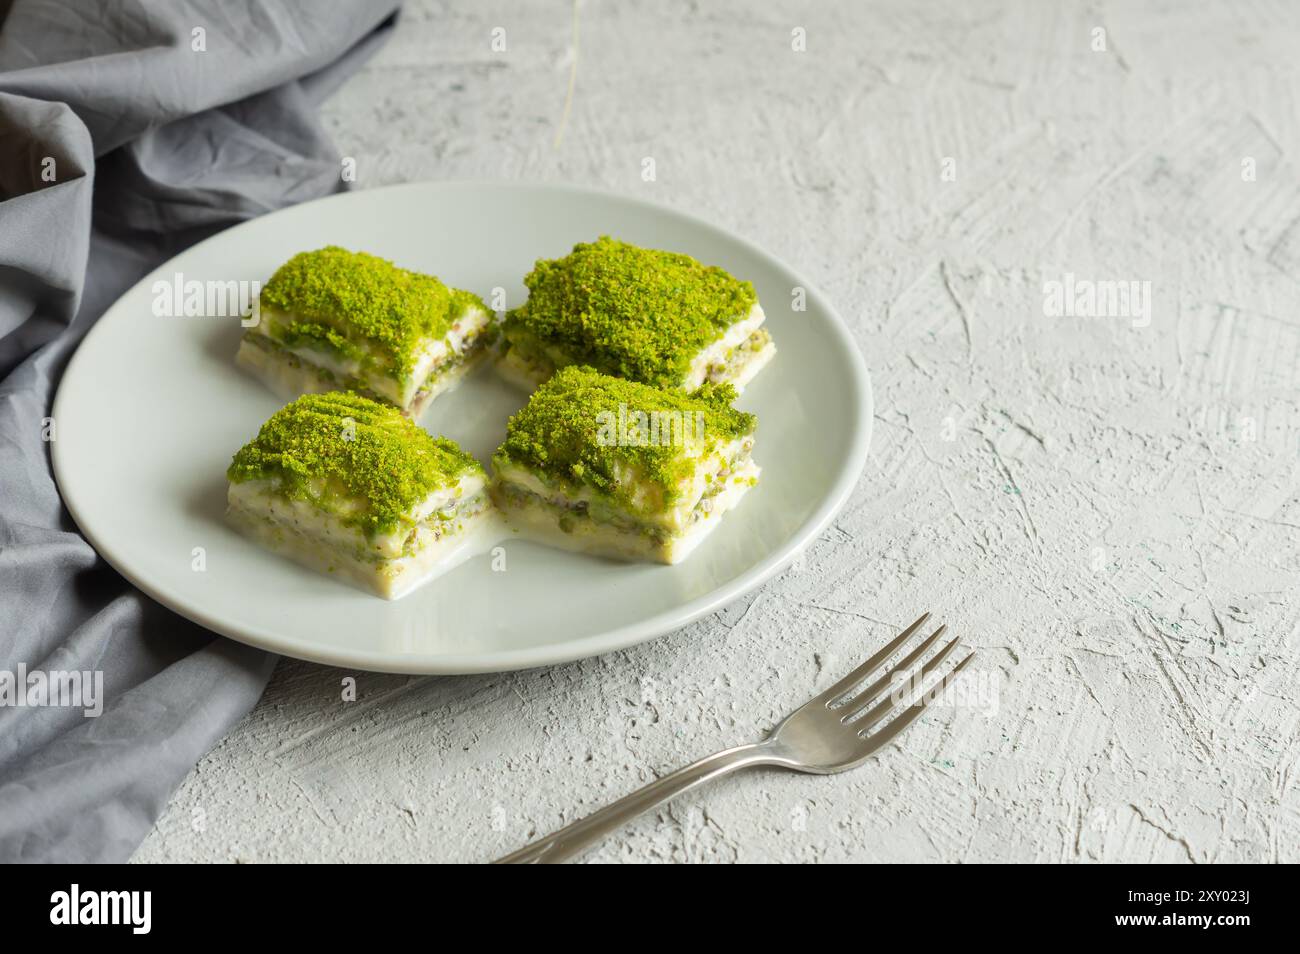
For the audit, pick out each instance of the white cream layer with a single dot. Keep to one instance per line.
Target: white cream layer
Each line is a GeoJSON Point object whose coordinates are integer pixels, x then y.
{"type": "Point", "coordinates": [644, 496]}
{"type": "Point", "coordinates": [717, 352]}
{"type": "Point", "coordinates": [536, 521]}
{"type": "Point", "coordinates": [431, 354]}
{"type": "Point", "coordinates": [320, 540]}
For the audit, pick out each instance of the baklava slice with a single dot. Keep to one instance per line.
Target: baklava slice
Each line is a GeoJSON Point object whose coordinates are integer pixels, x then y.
{"type": "Point", "coordinates": [348, 486]}
{"type": "Point", "coordinates": [658, 318]}
{"type": "Point", "coordinates": [334, 319]}
{"type": "Point", "coordinates": [606, 466]}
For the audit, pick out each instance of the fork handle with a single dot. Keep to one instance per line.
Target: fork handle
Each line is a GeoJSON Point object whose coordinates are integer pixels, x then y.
{"type": "Point", "coordinates": [571, 839]}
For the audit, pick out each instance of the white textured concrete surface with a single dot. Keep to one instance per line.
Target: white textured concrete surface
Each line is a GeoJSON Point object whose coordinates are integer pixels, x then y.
{"type": "Point", "coordinates": [1108, 512]}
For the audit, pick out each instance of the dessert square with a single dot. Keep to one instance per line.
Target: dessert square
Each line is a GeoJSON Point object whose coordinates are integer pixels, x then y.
{"type": "Point", "coordinates": [657, 318]}
{"type": "Point", "coordinates": [348, 486]}
{"type": "Point", "coordinates": [339, 320]}
{"type": "Point", "coordinates": [615, 468]}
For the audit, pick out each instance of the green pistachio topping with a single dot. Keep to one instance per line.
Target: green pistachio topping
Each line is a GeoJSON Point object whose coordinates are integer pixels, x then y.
{"type": "Point", "coordinates": [363, 307]}
{"type": "Point", "coordinates": [637, 313]}
{"type": "Point", "coordinates": [353, 457]}
{"type": "Point", "coordinates": [618, 437]}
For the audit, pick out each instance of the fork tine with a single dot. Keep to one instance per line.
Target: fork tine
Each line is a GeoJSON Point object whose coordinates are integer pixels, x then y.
{"type": "Point", "coordinates": [878, 739]}
{"type": "Point", "coordinates": [860, 701]}
{"type": "Point", "coordinates": [872, 664]}
{"type": "Point", "coordinates": [878, 712]}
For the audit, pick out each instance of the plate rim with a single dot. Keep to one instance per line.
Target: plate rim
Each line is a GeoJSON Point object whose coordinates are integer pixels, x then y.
{"type": "Point", "coordinates": [551, 654]}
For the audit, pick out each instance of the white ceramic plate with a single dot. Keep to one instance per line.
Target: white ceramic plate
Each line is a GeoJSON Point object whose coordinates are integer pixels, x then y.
{"type": "Point", "coordinates": [152, 408]}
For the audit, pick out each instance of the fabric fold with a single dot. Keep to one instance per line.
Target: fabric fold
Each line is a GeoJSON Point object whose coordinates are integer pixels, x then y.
{"type": "Point", "coordinates": [121, 143]}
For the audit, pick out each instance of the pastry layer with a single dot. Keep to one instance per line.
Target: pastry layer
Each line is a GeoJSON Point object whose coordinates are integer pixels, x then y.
{"type": "Point", "coordinates": [643, 504]}
{"type": "Point", "coordinates": [566, 524]}
{"type": "Point", "coordinates": [292, 373]}
{"type": "Point", "coordinates": [389, 566]}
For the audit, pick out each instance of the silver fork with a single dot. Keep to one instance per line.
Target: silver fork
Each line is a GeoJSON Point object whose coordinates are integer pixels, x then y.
{"type": "Point", "coordinates": [823, 736]}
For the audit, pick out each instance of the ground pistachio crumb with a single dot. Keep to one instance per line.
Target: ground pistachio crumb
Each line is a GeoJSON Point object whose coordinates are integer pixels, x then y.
{"type": "Point", "coordinates": [565, 431]}
{"type": "Point", "coordinates": [359, 304]}
{"type": "Point", "coordinates": [633, 312]}
{"type": "Point", "coordinates": [346, 454]}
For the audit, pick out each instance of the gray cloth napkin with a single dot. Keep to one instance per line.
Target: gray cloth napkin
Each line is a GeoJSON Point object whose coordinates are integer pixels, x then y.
{"type": "Point", "coordinates": [128, 131]}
